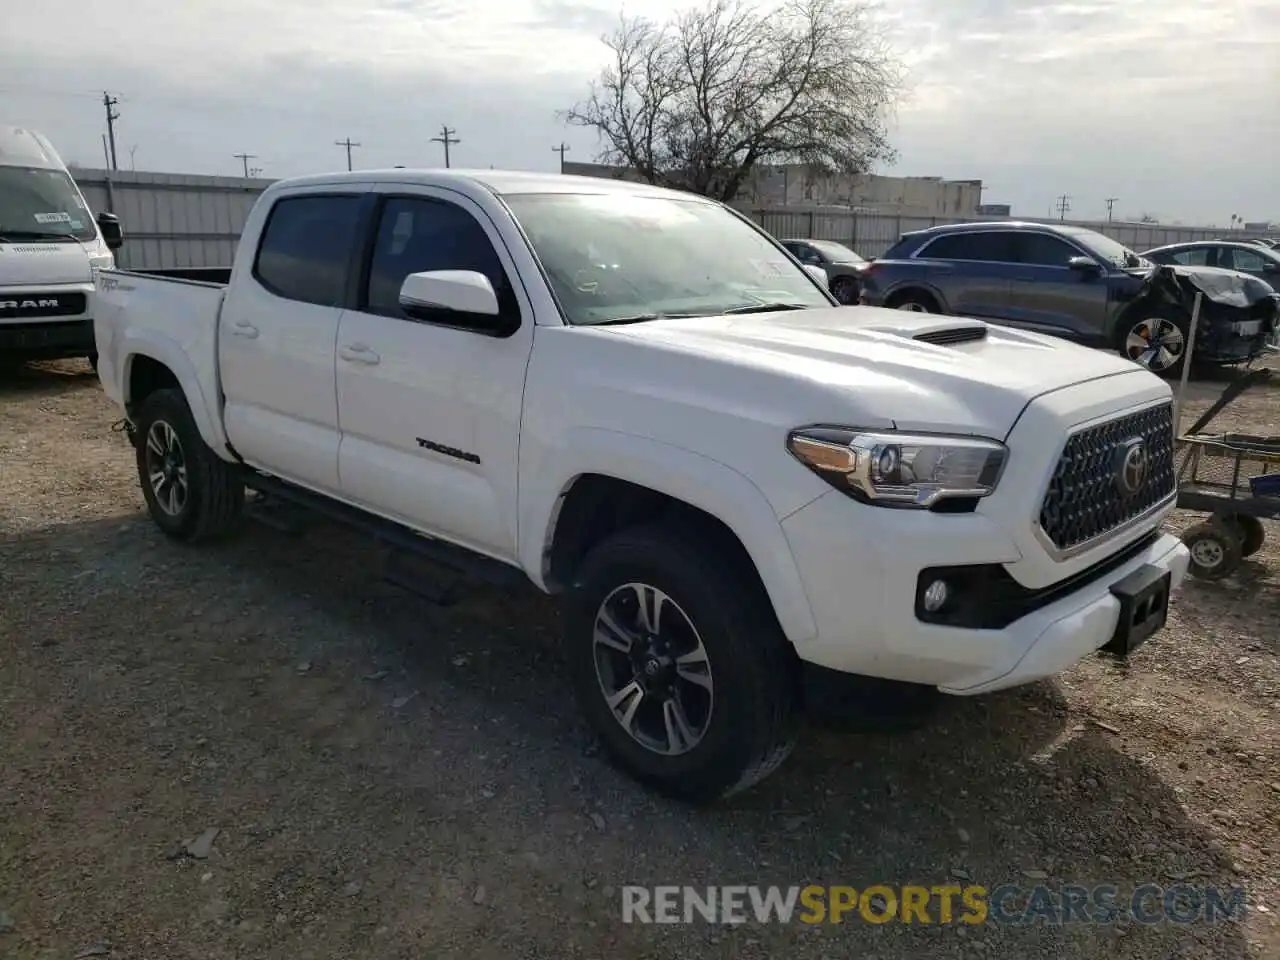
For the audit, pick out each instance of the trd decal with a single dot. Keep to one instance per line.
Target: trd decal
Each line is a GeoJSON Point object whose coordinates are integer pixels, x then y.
{"type": "Point", "coordinates": [447, 451]}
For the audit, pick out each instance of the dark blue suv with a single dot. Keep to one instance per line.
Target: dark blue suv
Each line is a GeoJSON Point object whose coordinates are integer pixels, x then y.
{"type": "Point", "coordinates": [1066, 281]}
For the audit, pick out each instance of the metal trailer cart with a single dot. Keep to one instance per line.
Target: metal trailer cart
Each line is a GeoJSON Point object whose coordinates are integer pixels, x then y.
{"type": "Point", "coordinates": [1232, 477]}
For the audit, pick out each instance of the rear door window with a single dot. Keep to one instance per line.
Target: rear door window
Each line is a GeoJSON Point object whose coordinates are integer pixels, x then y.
{"type": "Point", "coordinates": [994, 246]}
{"type": "Point", "coordinates": [306, 246]}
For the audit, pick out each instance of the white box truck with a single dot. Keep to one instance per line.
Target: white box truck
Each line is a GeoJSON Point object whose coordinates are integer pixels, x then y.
{"type": "Point", "coordinates": [50, 245]}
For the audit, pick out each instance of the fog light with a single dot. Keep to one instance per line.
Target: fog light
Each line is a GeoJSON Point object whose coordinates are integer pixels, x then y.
{"type": "Point", "coordinates": [936, 596]}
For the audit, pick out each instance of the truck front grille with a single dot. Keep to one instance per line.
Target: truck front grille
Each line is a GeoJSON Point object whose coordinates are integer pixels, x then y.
{"type": "Point", "coordinates": [1090, 494]}
{"type": "Point", "coordinates": [29, 306]}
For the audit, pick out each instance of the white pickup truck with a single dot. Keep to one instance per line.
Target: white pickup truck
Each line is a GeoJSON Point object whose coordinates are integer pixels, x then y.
{"type": "Point", "coordinates": [638, 400]}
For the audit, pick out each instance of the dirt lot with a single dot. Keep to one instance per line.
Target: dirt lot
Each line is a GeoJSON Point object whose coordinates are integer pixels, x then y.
{"type": "Point", "coordinates": [390, 779]}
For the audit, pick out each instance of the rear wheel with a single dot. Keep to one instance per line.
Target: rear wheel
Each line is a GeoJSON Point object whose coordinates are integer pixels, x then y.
{"type": "Point", "coordinates": [191, 493]}
{"type": "Point", "coordinates": [1157, 339]}
{"type": "Point", "coordinates": [914, 301]}
{"type": "Point", "coordinates": [1252, 534]}
{"type": "Point", "coordinates": [680, 665]}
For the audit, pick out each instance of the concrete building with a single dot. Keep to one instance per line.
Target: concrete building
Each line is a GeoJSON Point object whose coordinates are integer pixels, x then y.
{"type": "Point", "coordinates": [796, 185]}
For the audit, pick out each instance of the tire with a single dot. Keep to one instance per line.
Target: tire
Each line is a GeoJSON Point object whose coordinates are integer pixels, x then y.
{"type": "Point", "coordinates": [845, 289]}
{"type": "Point", "coordinates": [1144, 328]}
{"type": "Point", "coordinates": [740, 717]}
{"type": "Point", "coordinates": [1252, 534]}
{"type": "Point", "coordinates": [1216, 549]}
{"type": "Point", "coordinates": [211, 503]}
{"type": "Point", "coordinates": [914, 301]}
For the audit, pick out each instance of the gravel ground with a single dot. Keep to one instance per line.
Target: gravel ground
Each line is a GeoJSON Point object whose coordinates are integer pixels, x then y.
{"type": "Point", "coordinates": [389, 779]}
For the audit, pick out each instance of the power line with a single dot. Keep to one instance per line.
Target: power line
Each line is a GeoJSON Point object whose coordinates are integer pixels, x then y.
{"type": "Point", "coordinates": [348, 143]}
{"type": "Point", "coordinates": [108, 102]}
{"type": "Point", "coordinates": [446, 137]}
{"type": "Point", "coordinates": [245, 158]}
{"type": "Point", "coordinates": [1110, 201]}
{"type": "Point", "coordinates": [1064, 205]}
{"type": "Point", "coordinates": [562, 150]}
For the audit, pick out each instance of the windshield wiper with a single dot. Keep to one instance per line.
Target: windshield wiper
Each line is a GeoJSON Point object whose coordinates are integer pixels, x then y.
{"type": "Point", "coordinates": [765, 307]}
{"type": "Point", "coordinates": [12, 236]}
{"type": "Point", "coordinates": [641, 318]}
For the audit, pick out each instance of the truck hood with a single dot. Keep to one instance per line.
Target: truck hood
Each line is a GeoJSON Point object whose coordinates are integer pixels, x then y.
{"type": "Point", "coordinates": [973, 378]}
{"type": "Point", "coordinates": [34, 264]}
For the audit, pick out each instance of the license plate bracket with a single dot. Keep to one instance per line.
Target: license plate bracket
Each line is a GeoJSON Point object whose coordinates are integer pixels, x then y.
{"type": "Point", "coordinates": [1144, 608]}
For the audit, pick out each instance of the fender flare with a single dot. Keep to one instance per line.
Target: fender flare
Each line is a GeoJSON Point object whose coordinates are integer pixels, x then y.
{"type": "Point", "coordinates": [695, 479]}
{"type": "Point", "coordinates": [164, 350]}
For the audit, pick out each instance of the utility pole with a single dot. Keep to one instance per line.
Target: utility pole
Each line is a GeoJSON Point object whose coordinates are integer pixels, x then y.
{"type": "Point", "coordinates": [348, 143]}
{"type": "Point", "coordinates": [245, 158]}
{"type": "Point", "coordinates": [446, 137]}
{"type": "Point", "coordinates": [108, 102]}
{"type": "Point", "coordinates": [1064, 204]}
{"type": "Point", "coordinates": [1110, 203]}
{"type": "Point", "coordinates": [562, 150]}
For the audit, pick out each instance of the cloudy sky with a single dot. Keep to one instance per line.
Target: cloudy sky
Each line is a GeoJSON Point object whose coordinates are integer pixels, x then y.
{"type": "Point", "coordinates": [1173, 106]}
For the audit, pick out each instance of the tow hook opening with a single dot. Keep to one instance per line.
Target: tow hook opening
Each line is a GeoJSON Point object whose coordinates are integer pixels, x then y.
{"type": "Point", "coordinates": [126, 427]}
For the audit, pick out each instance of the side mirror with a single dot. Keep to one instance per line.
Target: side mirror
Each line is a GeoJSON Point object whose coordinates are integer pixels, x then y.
{"type": "Point", "coordinates": [434, 294]}
{"type": "Point", "coordinates": [109, 226]}
{"type": "Point", "coordinates": [1270, 266]}
{"type": "Point", "coordinates": [1084, 264]}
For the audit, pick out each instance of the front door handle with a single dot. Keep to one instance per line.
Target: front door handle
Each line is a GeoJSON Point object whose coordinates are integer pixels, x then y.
{"type": "Point", "coordinates": [358, 353]}
{"type": "Point", "coordinates": [243, 328]}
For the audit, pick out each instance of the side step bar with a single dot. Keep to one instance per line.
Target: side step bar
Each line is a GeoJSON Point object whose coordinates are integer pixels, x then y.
{"type": "Point", "coordinates": [459, 559]}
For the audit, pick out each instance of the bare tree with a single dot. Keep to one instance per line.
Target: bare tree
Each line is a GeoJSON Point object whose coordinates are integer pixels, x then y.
{"type": "Point", "coordinates": [700, 101]}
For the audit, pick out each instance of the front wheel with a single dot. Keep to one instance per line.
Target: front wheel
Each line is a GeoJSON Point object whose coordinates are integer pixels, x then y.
{"type": "Point", "coordinates": [191, 494]}
{"type": "Point", "coordinates": [679, 664]}
{"type": "Point", "coordinates": [1156, 339]}
{"type": "Point", "coordinates": [1215, 546]}
{"type": "Point", "coordinates": [845, 290]}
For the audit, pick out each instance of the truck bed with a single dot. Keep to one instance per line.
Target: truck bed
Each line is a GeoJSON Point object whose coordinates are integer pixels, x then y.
{"type": "Point", "coordinates": [177, 319]}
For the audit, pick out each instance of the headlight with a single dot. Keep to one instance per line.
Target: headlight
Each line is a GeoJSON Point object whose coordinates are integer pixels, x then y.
{"type": "Point", "coordinates": [897, 469]}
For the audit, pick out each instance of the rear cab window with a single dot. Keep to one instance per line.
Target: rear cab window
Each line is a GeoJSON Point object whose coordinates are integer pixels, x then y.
{"type": "Point", "coordinates": [305, 250]}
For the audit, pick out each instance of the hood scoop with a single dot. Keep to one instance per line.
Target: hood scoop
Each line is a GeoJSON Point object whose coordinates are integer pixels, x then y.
{"type": "Point", "coordinates": [949, 336]}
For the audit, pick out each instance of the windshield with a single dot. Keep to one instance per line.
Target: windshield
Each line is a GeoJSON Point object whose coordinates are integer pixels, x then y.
{"type": "Point", "coordinates": [1109, 250]}
{"type": "Point", "coordinates": [36, 204]}
{"type": "Point", "coordinates": [616, 257]}
{"type": "Point", "coordinates": [836, 251]}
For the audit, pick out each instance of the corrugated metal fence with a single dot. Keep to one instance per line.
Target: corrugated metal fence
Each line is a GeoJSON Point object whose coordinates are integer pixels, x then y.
{"type": "Point", "coordinates": [174, 220]}
{"type": "Point", "coordinates": [171, 219]}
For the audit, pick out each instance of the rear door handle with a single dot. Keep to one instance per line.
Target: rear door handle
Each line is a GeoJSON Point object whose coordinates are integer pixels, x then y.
{"type": "Point", "coordinates": [359, 353]}
{"type": "Point", "coordinates": [243, 328]}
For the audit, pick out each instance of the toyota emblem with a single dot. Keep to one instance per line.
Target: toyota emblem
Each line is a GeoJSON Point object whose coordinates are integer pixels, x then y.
{"type": "Point", "coordinates": [1133, 466]}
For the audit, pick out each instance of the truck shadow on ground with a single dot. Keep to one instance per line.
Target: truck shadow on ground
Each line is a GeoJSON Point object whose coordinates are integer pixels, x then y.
{"type": "Point", "coordinates": [342, 732]}
{"type": "Point", "coordinates": [51, 377]}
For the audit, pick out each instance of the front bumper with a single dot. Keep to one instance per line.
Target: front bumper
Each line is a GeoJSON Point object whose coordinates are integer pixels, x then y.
{"type": "Point", "coordinates": [48, 339]}
{"type": "Point", "coordinates": [864, 602]}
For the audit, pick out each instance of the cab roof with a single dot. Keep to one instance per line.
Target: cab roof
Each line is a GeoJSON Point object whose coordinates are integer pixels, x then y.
{"type": "Point", "coordinates": [20, 147]}
{"type": "Point", "coordinates": [500, 182]}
